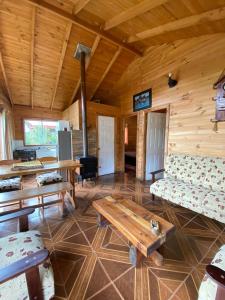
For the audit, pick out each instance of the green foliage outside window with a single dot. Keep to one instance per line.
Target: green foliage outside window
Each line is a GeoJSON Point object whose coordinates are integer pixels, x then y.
{"type": "Point", "coordinates": [40, 132]}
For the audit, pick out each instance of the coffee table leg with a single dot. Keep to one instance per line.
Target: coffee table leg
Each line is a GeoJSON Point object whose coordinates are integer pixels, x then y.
{"type": "Point", "coordinates": [157, 258]}
{"type": "Point", "coordinates": [102, 222]}
{"type": "Point", "coordinates": [135, 256]}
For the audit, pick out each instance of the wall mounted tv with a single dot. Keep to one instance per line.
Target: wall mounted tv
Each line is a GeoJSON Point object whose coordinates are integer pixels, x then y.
{"type": "Point", "coordinates": [142, 100]}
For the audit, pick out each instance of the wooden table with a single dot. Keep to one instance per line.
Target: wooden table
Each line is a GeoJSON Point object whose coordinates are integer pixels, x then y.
{"type": "Point", "coordinates": [69, 165]}
{"type": "Point", "coordinates": [133, 221]}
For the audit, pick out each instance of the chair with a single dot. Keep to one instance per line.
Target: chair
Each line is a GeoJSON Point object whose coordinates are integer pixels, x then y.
{"type": "Point", "coordinates": [25, 270]}
{"type": "Point", "coordinates": [213, 283]}
{"type": "Point", "coordinates": [48, 178]}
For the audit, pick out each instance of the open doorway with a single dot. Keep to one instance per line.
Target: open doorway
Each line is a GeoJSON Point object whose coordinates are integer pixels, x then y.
{"type": "Point", "coordinates": [156, 139]}
{"type": "Point", "coordinates": [130, 141]}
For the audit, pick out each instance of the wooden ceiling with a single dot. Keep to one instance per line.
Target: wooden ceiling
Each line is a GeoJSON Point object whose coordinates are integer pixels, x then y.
{"type": "Point", "coordinates": [38, 39]}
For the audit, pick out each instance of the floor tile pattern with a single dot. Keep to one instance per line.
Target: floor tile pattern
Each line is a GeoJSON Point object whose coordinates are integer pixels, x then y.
{"type": "Point", "coordinates": [92, 263]}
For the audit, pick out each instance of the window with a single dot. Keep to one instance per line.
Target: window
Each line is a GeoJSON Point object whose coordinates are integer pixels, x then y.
{"type": "Point", "coordinates": [40, 132]}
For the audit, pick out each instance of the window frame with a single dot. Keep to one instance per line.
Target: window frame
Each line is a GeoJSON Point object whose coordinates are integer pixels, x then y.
{"type": "Point", "coordinates": [37, 119]}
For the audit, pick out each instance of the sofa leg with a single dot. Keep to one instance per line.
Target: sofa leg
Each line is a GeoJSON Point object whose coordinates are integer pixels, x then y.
{"type": "Point", "coordinates": [153, 197]}
{"type": "Point", "coordinates": [34, 284]}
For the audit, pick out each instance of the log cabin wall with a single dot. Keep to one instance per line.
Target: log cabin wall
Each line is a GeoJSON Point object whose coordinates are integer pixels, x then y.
{"type": "Point", "coordinates": [196, 64]}
{"type": "Point", "coordinates": [22, 112]}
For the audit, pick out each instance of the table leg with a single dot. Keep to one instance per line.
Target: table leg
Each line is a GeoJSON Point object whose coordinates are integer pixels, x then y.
{"type": "Point", "coordinates": [135, 256]}
{"type": "Point", "coordinates": [72, 181]}
{"type": "Point", "coordinates": [102, 222]}
{"type": "Point", "coordinates": [157, 258]}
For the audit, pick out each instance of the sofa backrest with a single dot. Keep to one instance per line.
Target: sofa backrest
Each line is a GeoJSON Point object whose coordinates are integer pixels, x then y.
{"type": "Point", "coordinates": [198, 170]}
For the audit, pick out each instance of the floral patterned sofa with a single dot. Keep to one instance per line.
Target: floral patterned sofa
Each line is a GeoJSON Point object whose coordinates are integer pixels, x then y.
{"type": "Point", "coordinates": [194, 182]}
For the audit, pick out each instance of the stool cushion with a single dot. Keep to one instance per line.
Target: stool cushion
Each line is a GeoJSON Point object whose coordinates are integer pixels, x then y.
{"type": "Point", "coordinates": [10, 184]}
{"type": "Point", "coordinates": [208, 287]}
{"type": "Point", "coordinates": [48, 178]}
{"type": "Point", "coordinates": [15, 247]}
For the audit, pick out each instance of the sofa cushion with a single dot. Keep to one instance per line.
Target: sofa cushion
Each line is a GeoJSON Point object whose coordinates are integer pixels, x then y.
{"type": "Point", "coordinates": [208, 287]}
{"type": "Point", "coordinates": [215, 174]}
{"type": "Point", "coordinates": [10, 184]}
{"type": "Point", "coordinates": [15, 247]}
{"type": "Point", "coordinates": [49, 178]}
{"type": "Point", "coordinates": [180, 192]}
{"type": "Point", "coordinates": [191, 169]}
{"type": "Point", "coordinates": [214, 205]}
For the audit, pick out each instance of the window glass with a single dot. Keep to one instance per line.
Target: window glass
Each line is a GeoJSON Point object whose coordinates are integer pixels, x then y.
{"type": "Point", "coordinates": [40, 132]}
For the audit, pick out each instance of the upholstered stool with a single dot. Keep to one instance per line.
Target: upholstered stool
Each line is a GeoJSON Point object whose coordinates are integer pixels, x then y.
{"type": "Point", "coordinates": [213, 283]}
{"type": "Point", "coordinates": [49, 178]}
{"type": "Point", "coordinates": [10, 184]}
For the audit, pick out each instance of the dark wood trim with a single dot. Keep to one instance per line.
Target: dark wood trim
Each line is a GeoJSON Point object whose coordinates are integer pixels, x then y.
{"type": "Point", "coordinates": [23, 265]}
{"type": "Point", "coordinates": [156, 172]}
{"type": "Point", "coordinates": [7, 216]}
{"type": "Point", "coordinates": [34, 284]}
{"type": "Point", "coordinates": [217, 275]}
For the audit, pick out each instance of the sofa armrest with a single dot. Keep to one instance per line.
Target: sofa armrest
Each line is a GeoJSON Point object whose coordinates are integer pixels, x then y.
{"type": "Point", "coordinates": [156, 172]}
{"type": "Point", "coordinates": [23, 265]}
{"type": "Point", "coordinates": [216, 274]}
{"type": "Point", "coordinates": [22, 214]}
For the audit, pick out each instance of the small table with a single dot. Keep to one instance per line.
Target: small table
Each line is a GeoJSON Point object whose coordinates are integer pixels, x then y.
{"type": "Point", "coordinates": [133, 221]}
{"type": "Point", "coordinates": [69, 165]}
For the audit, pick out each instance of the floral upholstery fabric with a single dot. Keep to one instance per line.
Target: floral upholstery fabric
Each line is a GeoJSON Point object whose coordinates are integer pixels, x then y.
{"type": "Point", "coordinates": [208, 287]}
{"type": "Point", "coordinates": [48, 178]}
{"type": "Point", "coordinates": [14, 248]}
{"type": "Point", "coordinates": [10, 184]}
{"type": "Point", "coordinates": [180, 193]}
{"type": "Point", "coordinates": [195, 182]}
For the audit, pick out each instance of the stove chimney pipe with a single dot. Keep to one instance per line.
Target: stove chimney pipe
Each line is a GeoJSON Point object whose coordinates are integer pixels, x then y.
{"type": "Point", "coordinates": [81, 53]}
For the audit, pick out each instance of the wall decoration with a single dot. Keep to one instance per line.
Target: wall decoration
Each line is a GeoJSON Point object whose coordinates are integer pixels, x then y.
{"type": "Point", "coordinates": [142, 100]}
{"type": "Point", "coordinates": [220, 101]}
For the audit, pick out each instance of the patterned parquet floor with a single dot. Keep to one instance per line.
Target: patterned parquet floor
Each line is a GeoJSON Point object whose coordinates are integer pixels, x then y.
{"type": "Point", "coordinates": [92, 263]}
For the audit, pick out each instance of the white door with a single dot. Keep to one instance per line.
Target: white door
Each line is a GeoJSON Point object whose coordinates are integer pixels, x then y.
{"type": "Point", "coordinates": [155, 143]}
{"type": "Point", "coordinates": [106, 145]}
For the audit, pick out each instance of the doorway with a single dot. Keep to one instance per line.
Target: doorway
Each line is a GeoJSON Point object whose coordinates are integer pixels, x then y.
{"type": "Point", "coordinates": [106, 145]}
{"type": "Point", "coordinates": [130, 141]}
{"type": "Point", "coordinates": [155, 142]}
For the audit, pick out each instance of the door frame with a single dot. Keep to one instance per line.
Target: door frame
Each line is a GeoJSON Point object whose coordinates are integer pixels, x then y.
{"type": "Point", "coordinates": [146, 111]}
{"type": "Point", "coordinates": [115, 138]}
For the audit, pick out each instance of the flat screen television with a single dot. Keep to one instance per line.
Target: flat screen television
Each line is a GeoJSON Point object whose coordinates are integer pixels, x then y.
{"type": "Point", "coordinates": [142, 100]}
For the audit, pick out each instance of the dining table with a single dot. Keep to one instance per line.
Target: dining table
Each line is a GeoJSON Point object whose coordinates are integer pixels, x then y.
{"type": "Point", "coordinates": [70, 166]}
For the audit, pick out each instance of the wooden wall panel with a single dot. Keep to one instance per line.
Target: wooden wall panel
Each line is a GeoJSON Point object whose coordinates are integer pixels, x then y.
{"type": "Point", "coordinates": [197, 64]}
{"type": "Point", "coordinates": [21, 112]}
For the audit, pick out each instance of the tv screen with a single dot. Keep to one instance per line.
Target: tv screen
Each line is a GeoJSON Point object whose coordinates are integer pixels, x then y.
{"type": "Point", "coordinates": [142, 100]}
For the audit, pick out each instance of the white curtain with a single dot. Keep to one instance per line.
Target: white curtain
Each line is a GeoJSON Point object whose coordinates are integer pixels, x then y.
{"type": "Point", "coordinates": [6, 135]}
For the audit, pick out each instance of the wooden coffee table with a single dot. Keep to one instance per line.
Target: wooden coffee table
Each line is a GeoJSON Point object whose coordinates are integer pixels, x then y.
{"type": "Point", "coordinates": [133, 221]}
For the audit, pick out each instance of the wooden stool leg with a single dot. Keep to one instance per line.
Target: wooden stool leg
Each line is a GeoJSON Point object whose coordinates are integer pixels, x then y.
{"type": "Point", "coordinates": [135, 256]}
{"type": "Point", "coordinates": [23, 223]}
{"type": "Point", "coordinates": [64, 208]}
{"type": "Point", "coordinates": [34, 284]}
{"type": "Point", "coordinates": [157, 258]}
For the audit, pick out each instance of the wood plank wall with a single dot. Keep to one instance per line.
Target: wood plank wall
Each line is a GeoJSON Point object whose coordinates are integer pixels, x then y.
{"type": "Point", "coordinates": [196, 63]}
{"type": "Point", "coordinates": [22, 112]}
{"type": "Point", "coordinates": [132, 133]}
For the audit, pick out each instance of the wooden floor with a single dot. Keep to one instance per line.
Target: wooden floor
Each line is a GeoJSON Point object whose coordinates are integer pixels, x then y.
{"type": "Point", "coordinates": [92, 263]}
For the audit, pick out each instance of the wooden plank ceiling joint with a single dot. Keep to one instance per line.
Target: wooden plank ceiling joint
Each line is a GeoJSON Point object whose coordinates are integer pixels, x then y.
{"type": "Point", "coordinates": [106, 71]}
{"type": "Point", "coordinates": [78, 22]}
{"type": "Point", "coordinates": [6, 79]}
{"type": "Point", "coordinates": [93, 49]}
{"type": "Point", "coordinates": [33, 22]}
{"type": "Point", "coordinates": [133, 12]}
{"type": "Point", "coordinates": [63, 52]}
{"type": "Point", "coordinates": [209, 16]}
{"type": "Point", "coordinates": [80, 5]}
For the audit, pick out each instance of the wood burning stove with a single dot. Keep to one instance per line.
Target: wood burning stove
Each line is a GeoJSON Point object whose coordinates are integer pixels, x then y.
{"type": "Point", "coordinates": [89, 163]}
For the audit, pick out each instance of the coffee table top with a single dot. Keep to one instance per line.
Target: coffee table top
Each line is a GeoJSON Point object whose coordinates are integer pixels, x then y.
{"type": "Point", "coordinates": [133, 221]}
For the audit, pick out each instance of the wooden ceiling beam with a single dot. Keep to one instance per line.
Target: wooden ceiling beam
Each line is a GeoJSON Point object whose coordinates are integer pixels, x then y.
{"type": "Point", "coordinates": [63, 53]}
{"type": "Point", "coordinates": [33, 21]}
{"type": "Point", "coordinates": [106, 71]}
{"type": "Point", "coordinates": [133, 12]}
{"type": "Point", "coordinates": [80, 5]}
{"type": "Point", "coordinates": [209, 16]}
{"type": "Point", "coordinates": [76, 21]}
{"type": "Point", "coordinates": [93, 49]}
{"type": "Point", "coordinates": [6, 79]}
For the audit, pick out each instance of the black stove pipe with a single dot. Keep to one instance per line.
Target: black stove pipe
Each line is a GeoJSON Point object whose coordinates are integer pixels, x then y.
{"type": "Point", "coordinates": [83, 104]}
